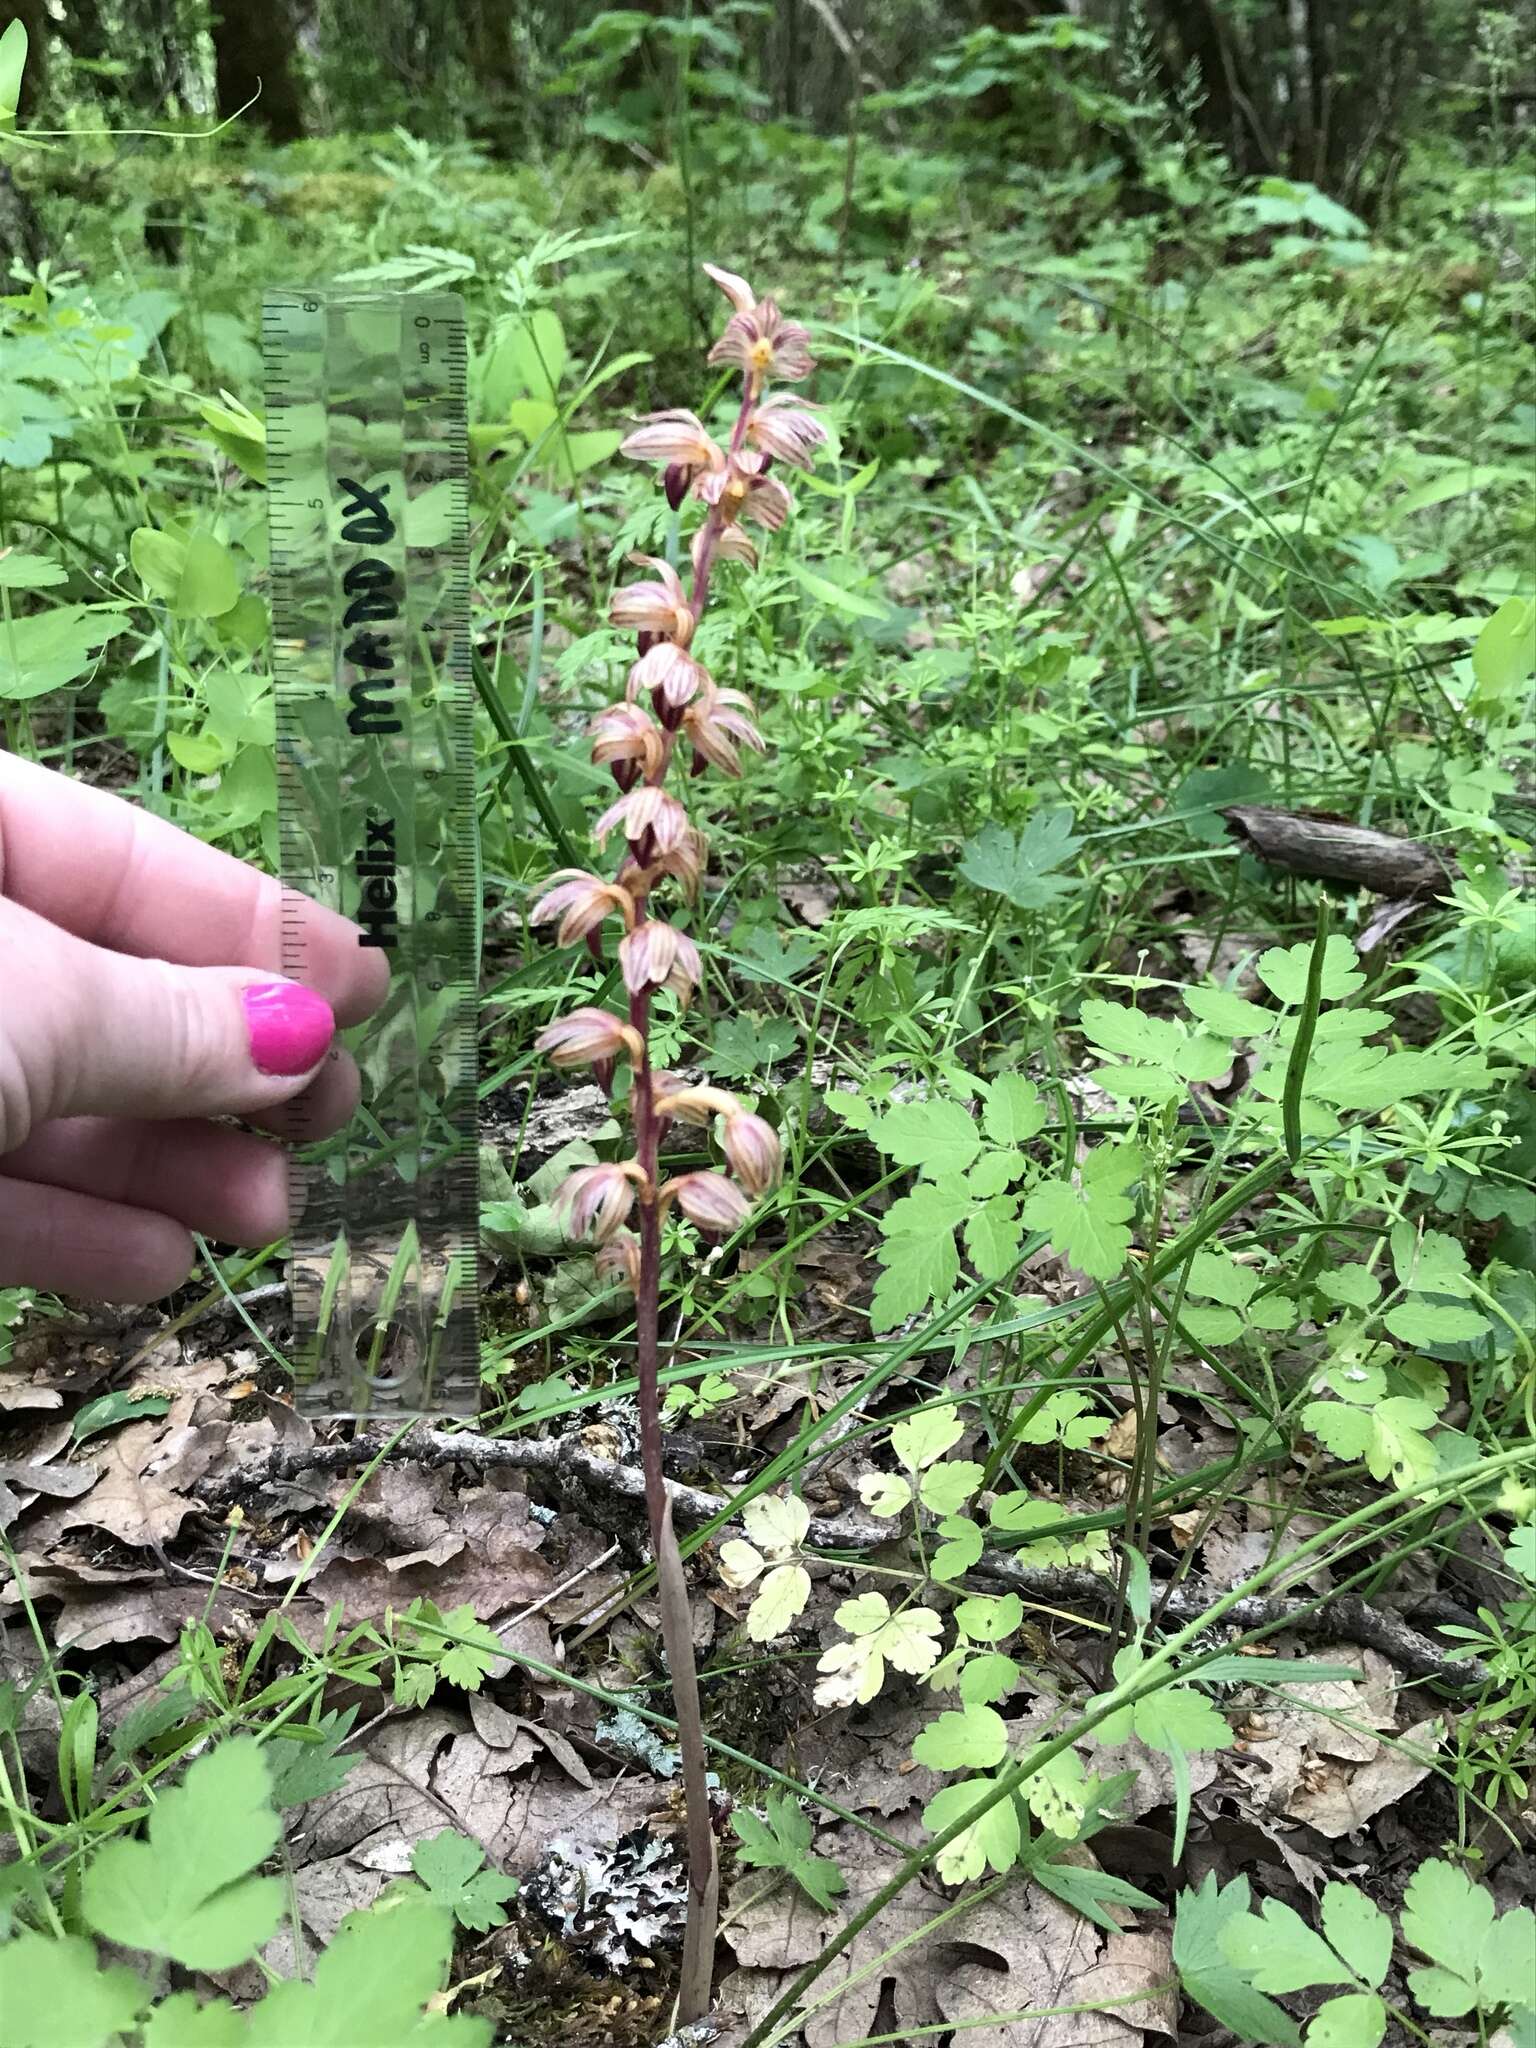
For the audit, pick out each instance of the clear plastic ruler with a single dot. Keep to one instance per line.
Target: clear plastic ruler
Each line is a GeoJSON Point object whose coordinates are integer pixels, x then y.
{"type": "Point", "coordinates": [367, 486]}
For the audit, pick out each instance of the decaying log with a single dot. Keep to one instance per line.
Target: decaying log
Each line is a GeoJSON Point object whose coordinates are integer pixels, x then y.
{"type": "Point", "coordinates": [1333, 850]}
{"type": "Point", "coordinates": [1340, 1617]}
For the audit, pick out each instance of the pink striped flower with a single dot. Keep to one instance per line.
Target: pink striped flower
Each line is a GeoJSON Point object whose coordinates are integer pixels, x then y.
{"type": "Point", "coordinates": [711, 1201]}
{"type": "Point", "coordinates": [731, 545]}
{"type": "Point", "coordinates": [753, 1149]}
{"type": "Point", "coordinates": [716, 724]}
{"type": "Point", "coordinates": [581, 902]}
{"type": "Point", "coordinates": [678, 440]}
{"type": "Point", "coordinates": [597, 1199]}
{"type": "Point", "coordinates": [783, 428]}
{"type": "Point", "coordinates": [657, 955]}
{"type": "Point", "coordinates": [648, 809]}
{"type": "Point", "coordinates": [584, 1038]}
{"type": "Point", "coordinates": [762, 342]}
{"type": "Point", "coordinates": [685, 862]}
{"type": "Point", "coordinates": [736, 289]}
{"type": "Point", "coordinates": [768, 502]}
{"type": "Point", "coordinates": [659, 605]}
{"type": "Point", "coordinates": [670, 669]}
{"type": "Point", "coordinates": [675, 436]}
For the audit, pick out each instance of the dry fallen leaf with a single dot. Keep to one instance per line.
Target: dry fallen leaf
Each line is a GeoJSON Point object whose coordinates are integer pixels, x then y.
{"type": "Point", "coordinates": [1336, 1800]}
{"type": "Point", "coordinates": [1045, 1956]}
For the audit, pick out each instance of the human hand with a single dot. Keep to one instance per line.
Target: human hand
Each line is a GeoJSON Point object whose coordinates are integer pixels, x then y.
{"type": "Point", "coordinates": [139, 998]}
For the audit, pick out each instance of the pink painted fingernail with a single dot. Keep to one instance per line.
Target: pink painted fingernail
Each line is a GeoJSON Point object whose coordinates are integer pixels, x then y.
{"type": "Point", "coordinates": [290, 1027]}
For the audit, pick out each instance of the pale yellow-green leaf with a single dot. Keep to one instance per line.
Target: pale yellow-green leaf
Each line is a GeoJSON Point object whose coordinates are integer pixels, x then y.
{"type": "Point", "coordinates": [739, 1563]}
{"type": "Point", "coordinates": [783, 1596]}
{"type": "Point", "coordinates": [852, 1673]}
{"type": "Point", "coordinates": [884, 1493]}
{"type": "Point", "coordinates": [777, 1524]}
{"type": "Point", "coordinates": [920, 1440]}
{"type": "Point", "coordinates": [863, 1614]}
{"type": "Point", "coordinates": [910, 1640]}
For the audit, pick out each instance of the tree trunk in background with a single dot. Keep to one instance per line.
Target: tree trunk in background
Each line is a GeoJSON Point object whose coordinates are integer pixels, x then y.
{"type": "Point", "coordinates": [252, 42]}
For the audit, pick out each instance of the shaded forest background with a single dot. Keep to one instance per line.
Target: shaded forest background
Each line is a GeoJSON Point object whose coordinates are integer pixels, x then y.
{"type": "Point", "coordinates": [1326, 91]}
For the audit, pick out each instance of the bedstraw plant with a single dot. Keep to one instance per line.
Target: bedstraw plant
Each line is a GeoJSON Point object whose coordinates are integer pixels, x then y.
{"type": "Point", "coordinates": [671, 699]}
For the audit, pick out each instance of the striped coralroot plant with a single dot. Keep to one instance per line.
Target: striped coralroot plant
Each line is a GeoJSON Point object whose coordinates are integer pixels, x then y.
{"type": "Point", "coordinates": [671, 703]}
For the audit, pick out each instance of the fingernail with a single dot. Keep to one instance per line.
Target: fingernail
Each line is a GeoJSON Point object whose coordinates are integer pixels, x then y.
{"type": "Point", "coordinates": [290, 1027]}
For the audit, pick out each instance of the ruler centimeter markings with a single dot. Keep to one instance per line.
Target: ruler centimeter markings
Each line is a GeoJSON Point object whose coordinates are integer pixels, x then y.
{"type": "Point", "coordinates": [368, 504]}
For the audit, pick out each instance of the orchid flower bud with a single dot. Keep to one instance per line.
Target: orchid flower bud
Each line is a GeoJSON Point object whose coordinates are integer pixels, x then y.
{"type": "Point", "coordinates": [581, 902]}
{"type": "Point", "coordinates": [675, 436]}
{"type": "Point", "coordinates": [671, 670]}
{"type": "Point", "coordinates": [711, 1201]}
{"type": "Point", "coordinates": [619, 1261]}
{"type": "Point", "coordinates": [767, 502]}
{"type": "Point", "coordinates": [657, 606]}
{"type": "Point", "coordinates": [685, 862]}
{"type": "Point", "coordinates": [753, 1149]}
{"type": "Point", "coordinates": [624, 735]}
{"type": "Point", "coordinates": [583, 1037]}
{"type": "Point", "coordinates": [731, 545]}
{"type": "Point", "coordinates": [656, 955]}
{"type": "Point", "coordinates": [647, 809]}
{"type": "Point", "coordinates": [715, 725]}
{"type": "Point", "coordinates": [597, 1199]}
{"type": "Point", "coordinates": [699, 1105]}
{"type": "Point", "coordinates": [736, 289]}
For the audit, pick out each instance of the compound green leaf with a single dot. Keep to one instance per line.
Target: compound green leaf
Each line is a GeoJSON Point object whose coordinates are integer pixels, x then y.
{"type": "Point", "coordinates": [1176, 1715]}
{"type": "Point", "coordinates": [1022, 867]}
{"type": "Point", "coordinates": [963, 1739]}
{"type": "Point", "coordinates": [186, 1891]}
{"type": "Point", "coordinates": [782, 1840]}
{"type": "Point", "coordinates": [991, 1843]}
{"type": "Point", "coordinates": [961, 1548]}
{"type": "Point", "coordinates": [1211, 1979]}
{"type": "Point", "coordinates": [372, 1984]}
{"type": "Point", "coordinates": [52, 1995]}
{"type": "Point", "coordinates": [921, 1440]}
{"type": "Point", "coordinates": [1278, 1951]}
{"type": "Point", "coordinates": [946, 1488]}
{"type": "Point", "coordinates": [1089, 1224]}
{"type": "Point", "coordinates": [988, 1679]}
{"type": "Point", "coordinates": [1359, 1930]}
{"type": "Point", "coordinates": [46, 650]}
{"type": "Point", "coordinates": [1216, 1276]}
{"type": "Point", "coordinates": [1435, 1322]}
{"type": "Point", "coordinates": [1014, 1112]}
{"type": "Point", "coordinates": [180, 2022]}
{"type": "Point", "coordinates": [994, 1236]}
{"type": "Point", "coordinates": [29, 572]}
{"type": "Point", "coordinates": [453, 1869]}
{"type": "Point", "coordinates": [1283, 971]}
{"type": "Point", "coordinates": [1358, 2019]}
{"type": "Point", "coordinates": [937, 1137]}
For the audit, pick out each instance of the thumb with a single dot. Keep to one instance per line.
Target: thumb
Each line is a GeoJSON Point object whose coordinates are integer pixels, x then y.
{"type": "Point", "coordinates": [88, 1032]}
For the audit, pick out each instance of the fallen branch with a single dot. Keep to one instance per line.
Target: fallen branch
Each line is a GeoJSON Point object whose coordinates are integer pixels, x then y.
{"type": "Point", "coordinates": [1333, 850]}
{"type": "Point", "coordinates": [1342, 1617]}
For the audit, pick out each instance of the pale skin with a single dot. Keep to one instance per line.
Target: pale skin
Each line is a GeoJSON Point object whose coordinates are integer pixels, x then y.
{"type": "Point", "coordinates": [140, 971]}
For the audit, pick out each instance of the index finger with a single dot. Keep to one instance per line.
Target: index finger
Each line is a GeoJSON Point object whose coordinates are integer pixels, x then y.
{"type": "Point", "coordinates": [109, 872]}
